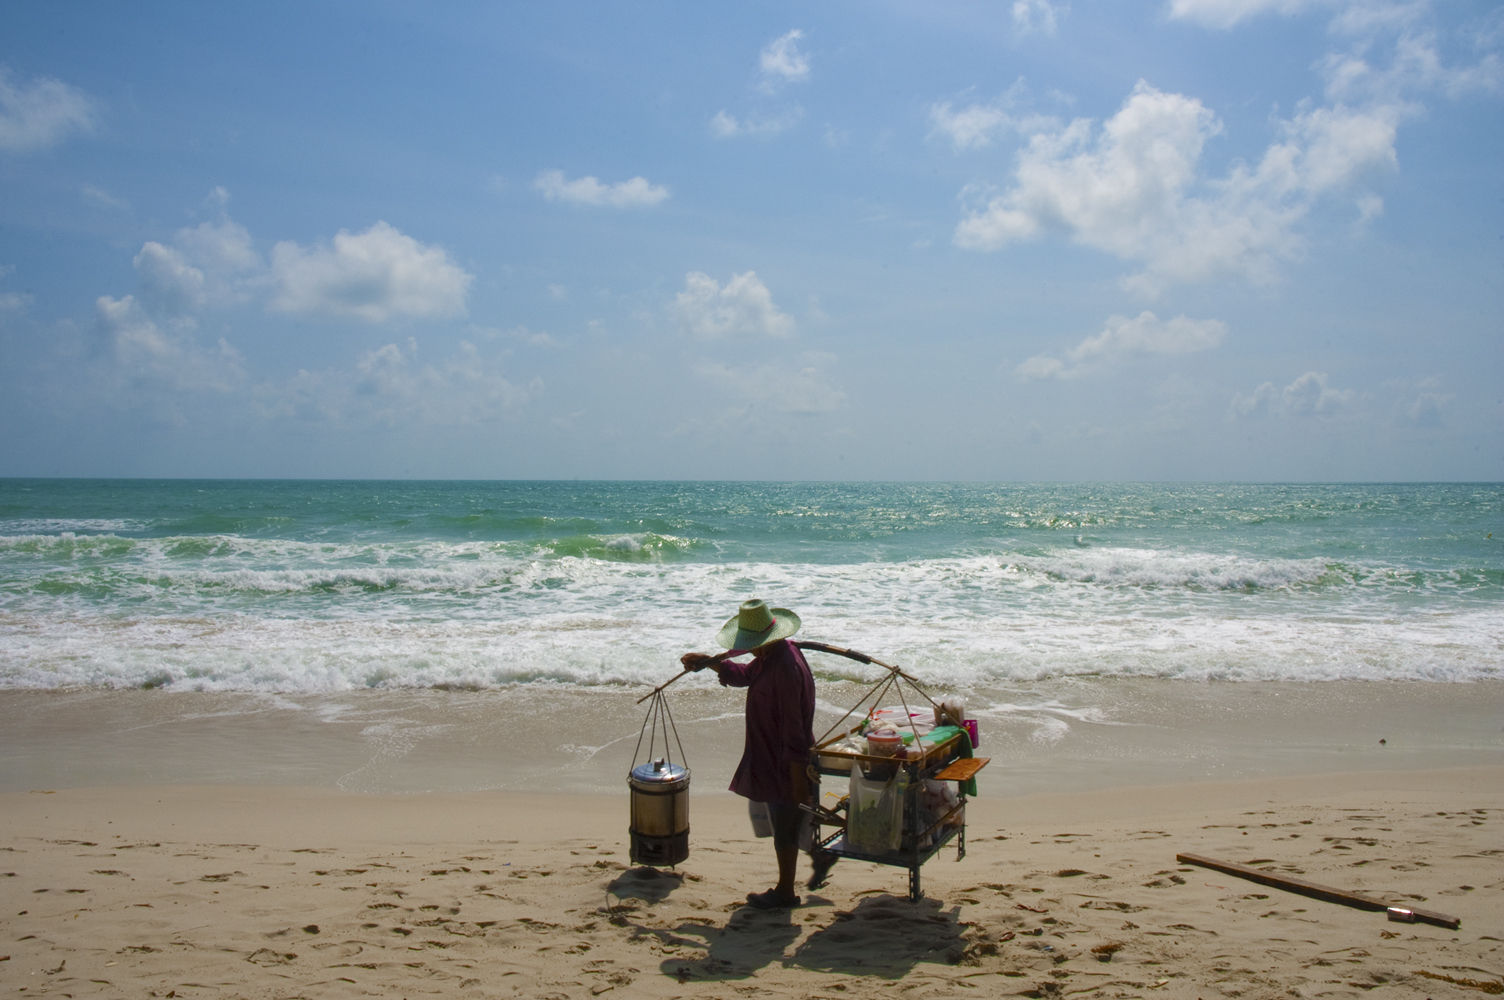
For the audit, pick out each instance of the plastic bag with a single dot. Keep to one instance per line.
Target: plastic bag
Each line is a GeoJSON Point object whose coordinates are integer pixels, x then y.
{"type": "Point", "coordinates": [905, 721]}
{"type": "Point", "coordinates": [762, 823]}
{"type": "Point", "coordinates": [874, 816]}
{"type": "Point", "coordinates": [936, 799]}
{"type": "Point", "coordinates": [953, 711]}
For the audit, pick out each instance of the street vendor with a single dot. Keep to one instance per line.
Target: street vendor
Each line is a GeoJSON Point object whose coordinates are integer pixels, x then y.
{"type": "Point", "coordinates": [780, 718]}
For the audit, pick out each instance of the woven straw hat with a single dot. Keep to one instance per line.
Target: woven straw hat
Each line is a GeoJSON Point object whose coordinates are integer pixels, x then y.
{"type": "Point", "coordinates": [757, 625]}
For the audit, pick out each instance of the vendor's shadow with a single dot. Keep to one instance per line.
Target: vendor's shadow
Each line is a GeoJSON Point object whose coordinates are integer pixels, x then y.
{"type": "Point", "coordinates": [750, 940]}
{"type": "Point", "coordinates": [884, 936]}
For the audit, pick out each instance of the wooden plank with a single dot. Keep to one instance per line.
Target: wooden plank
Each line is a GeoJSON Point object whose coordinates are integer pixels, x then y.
{"type": "Point", "coordinates": [964, 769]}
{"type": "Point", "coordinates": [1314, 890]}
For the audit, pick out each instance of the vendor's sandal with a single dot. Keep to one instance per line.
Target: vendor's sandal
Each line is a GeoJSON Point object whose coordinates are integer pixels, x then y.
{"type": "Point", "coordinates": [773, 900]}
{"type": "Point", "coordinates": [822, 863]}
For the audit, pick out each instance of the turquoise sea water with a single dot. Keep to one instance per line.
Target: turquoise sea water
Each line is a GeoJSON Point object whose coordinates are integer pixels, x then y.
{"type": "Point", "coordinates": [301, 586]}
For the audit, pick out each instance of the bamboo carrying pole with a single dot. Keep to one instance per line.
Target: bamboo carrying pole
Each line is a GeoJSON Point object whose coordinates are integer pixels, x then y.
{"type": "Point", "coordinates": [852, 654]}
{"type": "Point", "coordinates": [1323, 892]}
{"type": "Point", "coordinates": [822, 647]}
{"type": "Point", "coordinates": [709, 662]}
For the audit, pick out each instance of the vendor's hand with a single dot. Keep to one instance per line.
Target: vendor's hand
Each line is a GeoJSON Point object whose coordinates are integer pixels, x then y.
{"type": "Point", "coordinates": [695, 661]}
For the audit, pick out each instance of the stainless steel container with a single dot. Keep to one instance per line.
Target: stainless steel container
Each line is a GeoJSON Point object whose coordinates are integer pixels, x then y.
{"type": "Point", "coordinates": [660, 813]}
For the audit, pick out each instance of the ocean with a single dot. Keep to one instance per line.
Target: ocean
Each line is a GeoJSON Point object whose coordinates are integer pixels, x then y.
{"type": "Point", "coordinates": [1052, 607]}
{"type": "Point", "coordinates": [306, 586]}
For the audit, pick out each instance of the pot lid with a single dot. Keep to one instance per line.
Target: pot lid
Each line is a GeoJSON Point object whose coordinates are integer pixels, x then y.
{"type": "Point", "coordinates": [659, 770]}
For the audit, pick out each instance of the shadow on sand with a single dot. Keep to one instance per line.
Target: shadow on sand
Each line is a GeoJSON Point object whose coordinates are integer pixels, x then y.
{"type": "Point", "coordinates": [647, 884]}
{"type": "Point", "coordinates": [882, 936]}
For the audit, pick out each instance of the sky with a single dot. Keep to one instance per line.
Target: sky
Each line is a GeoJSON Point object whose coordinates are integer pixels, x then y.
{"type": "Point", "coordinates": [1024, 240]}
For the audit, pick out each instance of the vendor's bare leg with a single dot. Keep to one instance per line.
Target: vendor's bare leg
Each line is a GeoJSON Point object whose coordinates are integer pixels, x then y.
{"type": "Point", "coordinates": [788, 866]}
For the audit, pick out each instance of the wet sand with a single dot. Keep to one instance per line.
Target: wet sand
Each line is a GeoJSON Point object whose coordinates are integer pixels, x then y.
{"type": "Point", "coordinates": [1062, 736]}
{"type": "Point", "coordinates": [247, 891]}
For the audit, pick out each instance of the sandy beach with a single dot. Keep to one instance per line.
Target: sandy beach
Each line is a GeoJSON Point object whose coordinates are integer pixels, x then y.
{"type": "Point", "coordinates": [224, 891]}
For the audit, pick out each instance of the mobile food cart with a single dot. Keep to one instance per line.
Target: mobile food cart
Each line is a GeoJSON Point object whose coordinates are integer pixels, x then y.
{"type": "Point", "coordinates": [907, 795]}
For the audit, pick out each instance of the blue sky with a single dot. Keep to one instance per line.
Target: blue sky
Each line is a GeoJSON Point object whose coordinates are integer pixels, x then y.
{"type": "Point", "coordinates": [1193, 239]}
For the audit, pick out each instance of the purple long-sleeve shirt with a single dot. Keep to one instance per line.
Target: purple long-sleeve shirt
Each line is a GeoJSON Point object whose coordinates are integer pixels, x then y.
{"type": "Point", "coordinates": [780, 720]}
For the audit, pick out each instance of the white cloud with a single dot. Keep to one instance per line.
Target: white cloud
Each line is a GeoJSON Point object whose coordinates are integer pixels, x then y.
{"type": "Point", "coordinates": [103, 198]}
{"type": "Point", "coordinates": [206, 265]}
{"type": "Point", "coordinates": [744, 307]}
{"type": "Point", "coordinates": [1364, 16]}
{"type": "Point", "coordinates": [1130, 188]}
{"type": "Point", "coordinates": [533, 338]}
{"type": "Point", "coordinates": [972, 127]}
{"type": "Point", "coordinates": [1037, 16]}
{"type": "Point", "coordinates": [1416, 66]}
{"type": "Point", "coordinates": [42, 114]}
{"type": "Point", "coordinates": [1370, 207]}
{"type": "Point", "coordinates": [220, 247]}
{"type": "Point", "coordinates": [978, 124]}
{"type": "Point", "coordinates": [589, 191]}
{"type": "Point", "coordinates": [1227, 13]}
{"type": "Point", "coordinates": [726, 126]}
{"type": "Point", "coordinates": [388, 387]}
{"type": "Point", "coordinates": [1041, 366]}
{"type": "Point", "coordinates": [1306, 396]}
{"type": "Point", "coordinates": [1148, 334]}
{"type": "Point", "coordinates": [374, 276]}
{"type": "Point", "coordinates": [1426, 409]}
{"type": "Point", "coordinates": [782, 62]}
{"type": "Point", "coordinates": [1122, 338]}
{"type": "Point", "coordinates": [14, 302]}
{"type": "Point", "coordinates": [801, 386]}
{"type": "Point", "coordinates": [150, 358]}
{"type": "Point", "coordinates": [1349, 16]}
{"type": "Point", "coordinates": [168, 281]}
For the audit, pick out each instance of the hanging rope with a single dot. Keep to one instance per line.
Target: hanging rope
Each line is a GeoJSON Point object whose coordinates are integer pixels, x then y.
{"type": "Point", "coordinates": [659, 718]}
{"type": "Point", "coordinates": [876, 692]}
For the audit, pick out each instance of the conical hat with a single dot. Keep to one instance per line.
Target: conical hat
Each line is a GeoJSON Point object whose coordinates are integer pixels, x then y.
{"type": "Point", "coordinates": [757, 625]}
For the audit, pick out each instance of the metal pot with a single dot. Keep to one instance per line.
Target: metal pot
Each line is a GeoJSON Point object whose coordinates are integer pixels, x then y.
{"type": "Point", "coordinates": [660, 813]}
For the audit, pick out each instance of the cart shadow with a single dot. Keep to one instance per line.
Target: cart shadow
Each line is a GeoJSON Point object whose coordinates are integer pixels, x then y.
{"type": "Point", "coordinates": [647, 884]}
{"type": "Point", "coordinates": [884, 936]}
